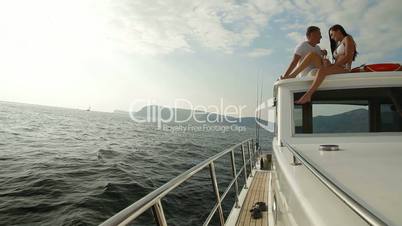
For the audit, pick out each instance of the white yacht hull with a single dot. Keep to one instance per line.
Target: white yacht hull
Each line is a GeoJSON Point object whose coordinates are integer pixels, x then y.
{"type": "Point", "coordinates": [301, 199]}
{"type": "Point", "coordinates": [358, 185]}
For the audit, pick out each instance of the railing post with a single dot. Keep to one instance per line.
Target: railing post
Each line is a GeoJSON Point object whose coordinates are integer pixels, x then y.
{"type": "Point", "coordinates": [157, 210]}
{"type": "Point", "coordinates": [255, 154]}
{"type": "Point", "coordinates": [232, 157]}
{"type": "Point", "coordinates": [254, 148]}
{"type": "Point", "coordinates": [216, 190]}
{"type": "Point", "coordinates": [250, 159]}
{"type": "Point", "coordinates": [244, 166]}
{"type": "Point", "coordinates": [295, 161]}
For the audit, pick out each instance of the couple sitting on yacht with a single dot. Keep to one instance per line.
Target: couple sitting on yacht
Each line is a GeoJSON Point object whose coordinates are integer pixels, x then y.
{"type": "Point", "coordinates": [309, 56]}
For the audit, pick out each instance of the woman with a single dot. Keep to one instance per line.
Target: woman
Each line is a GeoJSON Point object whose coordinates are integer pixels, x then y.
{"type": "Point", "coordinates": [343, 49]}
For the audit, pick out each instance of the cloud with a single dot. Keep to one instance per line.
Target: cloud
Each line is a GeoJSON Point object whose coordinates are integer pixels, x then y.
{"type": "Point", "coordinates": [260, 52]}
{"type": "Point", "coordinates": [297, 37]}
{"type": "Point", "coordinates": [168, 26]}
{"type": "Point", "coordinates": [293, 26]}
{"type": "Point", "coordinates": [380, 34]}
{"type": "Point", "coordinates": [173, 25]}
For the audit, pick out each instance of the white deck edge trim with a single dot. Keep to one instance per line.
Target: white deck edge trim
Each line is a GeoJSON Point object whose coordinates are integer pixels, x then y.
{"type": "Point", "coordinates": [270, 216]}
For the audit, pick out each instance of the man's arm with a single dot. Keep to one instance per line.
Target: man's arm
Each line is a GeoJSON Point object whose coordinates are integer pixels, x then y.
{"type": "Point", "coordinates": [292, 65]}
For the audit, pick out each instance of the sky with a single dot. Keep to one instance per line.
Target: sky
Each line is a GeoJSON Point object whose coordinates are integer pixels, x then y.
{"type": "Point", "coordinates": [128, 53]}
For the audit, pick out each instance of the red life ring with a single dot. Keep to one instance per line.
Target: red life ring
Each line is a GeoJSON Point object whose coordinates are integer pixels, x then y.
{"type": "Point", "coordinates": [377, 67]}
{"type": "Point", "coordinates": [382, 67]}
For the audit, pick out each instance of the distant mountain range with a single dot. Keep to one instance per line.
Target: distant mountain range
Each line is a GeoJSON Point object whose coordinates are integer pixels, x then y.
{"type": "Point", "coordinates": [355, 121]}
{"type": "Point", "coordinates": [190, 116]}
{"type": "Point", "coordinates": [351, 121]}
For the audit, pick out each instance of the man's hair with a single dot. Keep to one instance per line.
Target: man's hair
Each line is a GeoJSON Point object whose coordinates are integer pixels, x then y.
{"type": "Point", "coordinates": [311, 29]}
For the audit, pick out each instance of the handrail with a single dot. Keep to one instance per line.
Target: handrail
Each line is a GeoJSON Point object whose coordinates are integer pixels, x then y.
{"type": "Point", "coordinates": [358, 208]}
{"type": "Point", "coordinates": [153, 199]}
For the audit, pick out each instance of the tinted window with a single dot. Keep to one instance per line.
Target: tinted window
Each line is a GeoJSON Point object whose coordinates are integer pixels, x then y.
{"type": "Point", "coordinates": [346, 111]}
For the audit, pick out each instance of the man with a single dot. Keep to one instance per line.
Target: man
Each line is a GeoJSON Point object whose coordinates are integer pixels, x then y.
{"type": "Point", "coordinates": [313, 35]}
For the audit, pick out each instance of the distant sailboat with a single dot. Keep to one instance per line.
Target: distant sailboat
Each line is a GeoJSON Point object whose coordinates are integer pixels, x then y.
{"type": "Point", "coordinates": [89, 108]}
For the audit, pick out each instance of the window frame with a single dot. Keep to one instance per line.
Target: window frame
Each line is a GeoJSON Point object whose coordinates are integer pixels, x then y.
{"type": "Point", "coordinates": [370, 133]}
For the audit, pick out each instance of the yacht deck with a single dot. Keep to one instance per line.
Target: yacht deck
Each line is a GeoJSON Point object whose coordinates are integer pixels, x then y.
{"type": "Point", "coordinates": [258, 192]}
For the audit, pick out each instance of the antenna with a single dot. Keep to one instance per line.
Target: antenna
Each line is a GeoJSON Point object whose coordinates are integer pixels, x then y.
{"type": "Point", "coordinates": [256, 116]}
{"type": "Point", "coordinates": [259, 112]}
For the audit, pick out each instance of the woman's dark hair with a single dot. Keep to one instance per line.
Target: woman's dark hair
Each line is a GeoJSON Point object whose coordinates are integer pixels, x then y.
{"type": "Point", "coordinates": [338, 27]}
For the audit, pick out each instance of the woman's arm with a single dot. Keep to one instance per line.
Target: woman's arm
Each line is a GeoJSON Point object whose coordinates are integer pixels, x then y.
{"type": "Point", "coordinates": [349, 52]}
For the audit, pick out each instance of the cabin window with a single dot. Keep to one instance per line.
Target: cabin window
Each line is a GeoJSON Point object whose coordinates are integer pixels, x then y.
{"type": "Point", "coordinates": [350, 111]}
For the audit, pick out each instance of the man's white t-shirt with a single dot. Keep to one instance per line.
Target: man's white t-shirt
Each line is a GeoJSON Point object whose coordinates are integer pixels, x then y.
{"type": "Point", "coordinates": [302, 50]}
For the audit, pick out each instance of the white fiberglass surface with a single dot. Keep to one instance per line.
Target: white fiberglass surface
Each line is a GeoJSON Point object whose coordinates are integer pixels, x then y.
{"type": "Point", "coordinates": [370, 172]}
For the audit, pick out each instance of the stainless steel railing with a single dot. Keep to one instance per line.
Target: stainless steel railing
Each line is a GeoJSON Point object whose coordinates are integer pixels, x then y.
{"type": "Point", "coordinates": [153, 199]}
{"type": "Point", "coordinates": [358, 208]}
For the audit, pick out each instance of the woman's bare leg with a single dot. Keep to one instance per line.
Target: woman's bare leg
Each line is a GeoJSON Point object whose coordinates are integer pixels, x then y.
{"type": "Point", "coordinates": [310, 58]}
{"type": "Point", "coordinates": [319, 78]}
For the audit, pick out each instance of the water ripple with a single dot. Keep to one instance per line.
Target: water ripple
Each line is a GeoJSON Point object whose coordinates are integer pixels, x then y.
{"type": "Point", "coordinates": [70, 167]}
